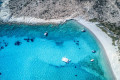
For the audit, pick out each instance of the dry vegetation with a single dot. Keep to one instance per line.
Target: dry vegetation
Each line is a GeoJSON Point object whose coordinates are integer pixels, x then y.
{"type": "Point", "coordinates": [105, 10]}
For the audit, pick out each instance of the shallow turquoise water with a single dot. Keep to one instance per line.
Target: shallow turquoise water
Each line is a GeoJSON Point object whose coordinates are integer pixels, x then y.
{"type": "Point", "coordinates": [40, 59]}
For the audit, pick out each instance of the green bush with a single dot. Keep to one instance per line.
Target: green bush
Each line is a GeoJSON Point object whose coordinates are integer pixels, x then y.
{"type": "Point", "coordinates": [93, 20]}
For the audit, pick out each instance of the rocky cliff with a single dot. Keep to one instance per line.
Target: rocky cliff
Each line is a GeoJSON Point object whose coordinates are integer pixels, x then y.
{"type": "Point", "coordinates": [104, 10]}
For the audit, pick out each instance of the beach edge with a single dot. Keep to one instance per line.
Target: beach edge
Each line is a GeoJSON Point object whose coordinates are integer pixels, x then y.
{"type": "Point", "coordinates": [106, 43]}
{"type": "Point", "coordinates": [103, 38]}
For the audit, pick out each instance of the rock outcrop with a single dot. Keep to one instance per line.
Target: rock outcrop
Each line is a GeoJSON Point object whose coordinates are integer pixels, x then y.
{"type": "Point", "coordinates": [104, 10]}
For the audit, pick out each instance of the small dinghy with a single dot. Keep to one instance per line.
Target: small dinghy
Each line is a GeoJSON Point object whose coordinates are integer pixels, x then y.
{"type": "Point", "coordinates": [83, 30]}
{"type": "Point", "coordinates": [93, 51]}
{"type": "Point", "coordinates": [46, 33]}
{"type": "Point", "coordinates": [66, 60]}
{"type": "Point", "coordinates": [92, 60]}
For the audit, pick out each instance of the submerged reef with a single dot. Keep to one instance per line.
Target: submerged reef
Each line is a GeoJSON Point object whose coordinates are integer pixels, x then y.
{"type": "Point", "coordinates": [3, 44]}
{"type": "Point", "coordinates": [94, 66]}
{"type": "Point", "coordinates": [17, 43]}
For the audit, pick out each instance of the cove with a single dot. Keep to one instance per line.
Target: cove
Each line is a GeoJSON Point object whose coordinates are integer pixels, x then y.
{"type": "Point", "coordinates": [26, 54]}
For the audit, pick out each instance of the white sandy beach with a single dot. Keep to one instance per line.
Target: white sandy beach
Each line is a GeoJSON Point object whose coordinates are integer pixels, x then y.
{"type": "Point", "coordinates": [105, 40]}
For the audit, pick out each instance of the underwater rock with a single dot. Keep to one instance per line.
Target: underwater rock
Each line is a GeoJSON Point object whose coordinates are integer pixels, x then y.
{"type": "Point", "coordinates": [61, 66]}
{"type": "Point", "coordinates": [75, 67]}
{"type": "Point", "coordinates": [59, 43]}
{"type": "Point", "coordinates": [17, 43]}
{"type": "Point", "coordinates": [2, 47]}
{"type": "Point", "coordinates": [32, 40]}
{"type": "Point", "coordinates": [72, 63]}
{"type": "Point", "coordinates": [0, 73]}
{"type": "Point", "coordinates": [77, 44]}
{"type": "Point", "coordinates": [75, 75]}
{"type": "Point", "coordinates": [57, 66]}
{"type": "Point", "coordinates": [6, 44]}
{"type": "Point", "coordinates": [27, 39]}
{"type": "Point", "coordinates": [74, 40]}
{"type": "Point", "coordinates": [92, 65]}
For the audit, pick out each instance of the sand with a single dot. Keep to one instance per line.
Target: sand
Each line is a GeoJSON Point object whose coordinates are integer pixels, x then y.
{"type": "Point", "coordinates": [104, 39]}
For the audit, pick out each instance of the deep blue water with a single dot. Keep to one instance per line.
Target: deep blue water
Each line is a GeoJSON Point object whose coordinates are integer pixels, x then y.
{"type": "Point", "coordinates": [39, 57]}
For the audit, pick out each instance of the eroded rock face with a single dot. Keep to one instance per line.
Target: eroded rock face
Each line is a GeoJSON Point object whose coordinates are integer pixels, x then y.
{"type": "Point", "coordinates": [118, 3]}
{"type": "Point", "coordinates": [104, 10]}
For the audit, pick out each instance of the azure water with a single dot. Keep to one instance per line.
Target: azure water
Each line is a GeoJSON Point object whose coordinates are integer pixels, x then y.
{"type": "Point", "coordinates": [26, 54]}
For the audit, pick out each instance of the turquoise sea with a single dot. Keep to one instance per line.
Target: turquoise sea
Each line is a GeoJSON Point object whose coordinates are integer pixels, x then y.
{"type": "Point", "coordinates": [26, 54]}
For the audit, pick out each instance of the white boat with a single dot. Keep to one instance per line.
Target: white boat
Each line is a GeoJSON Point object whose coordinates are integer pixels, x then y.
{"type": "Point", "coordinates": [66, 60]}
{"type": "Point", "coordinates": [93, 51]}
{"type": "Point", "coordinates": [83, 30]}
{"type": "Point", "coordinates": [92, 60]}
{"type": "Point", "coordinates": [46, 33]}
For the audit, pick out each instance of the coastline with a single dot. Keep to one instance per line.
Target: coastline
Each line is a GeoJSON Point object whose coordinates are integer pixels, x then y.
{"type": "Point", "coordinates": [105, 40]}
{"type": "Point", "coordinates": [6, 16]}
{"type": "Point", "coordinates": [110, 51]}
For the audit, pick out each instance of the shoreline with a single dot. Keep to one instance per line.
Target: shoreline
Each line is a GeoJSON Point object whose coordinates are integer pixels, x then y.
{"type": "Point", "coordinates": [6, 16]}
{"type": "Point", "coordinates": [106, 42]}
{"type": "Point", "coordinates": [104, 55]}
{"type": "Point", "coordinates": [104, 39]}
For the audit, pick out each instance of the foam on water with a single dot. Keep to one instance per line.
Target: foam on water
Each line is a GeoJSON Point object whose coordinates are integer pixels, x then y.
{"type": "Point", "coordinates": [40, 59]}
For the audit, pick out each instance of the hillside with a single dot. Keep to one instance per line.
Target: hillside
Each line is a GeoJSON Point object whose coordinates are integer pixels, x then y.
{"type": "Point", "coordinates": [104, 10]}
{"type": "Point", "coordinates": [107, 12]}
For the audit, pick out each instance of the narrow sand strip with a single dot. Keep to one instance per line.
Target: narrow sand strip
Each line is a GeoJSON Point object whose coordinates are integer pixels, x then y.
{"type": "Point", "coordinates": [106, 41]}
